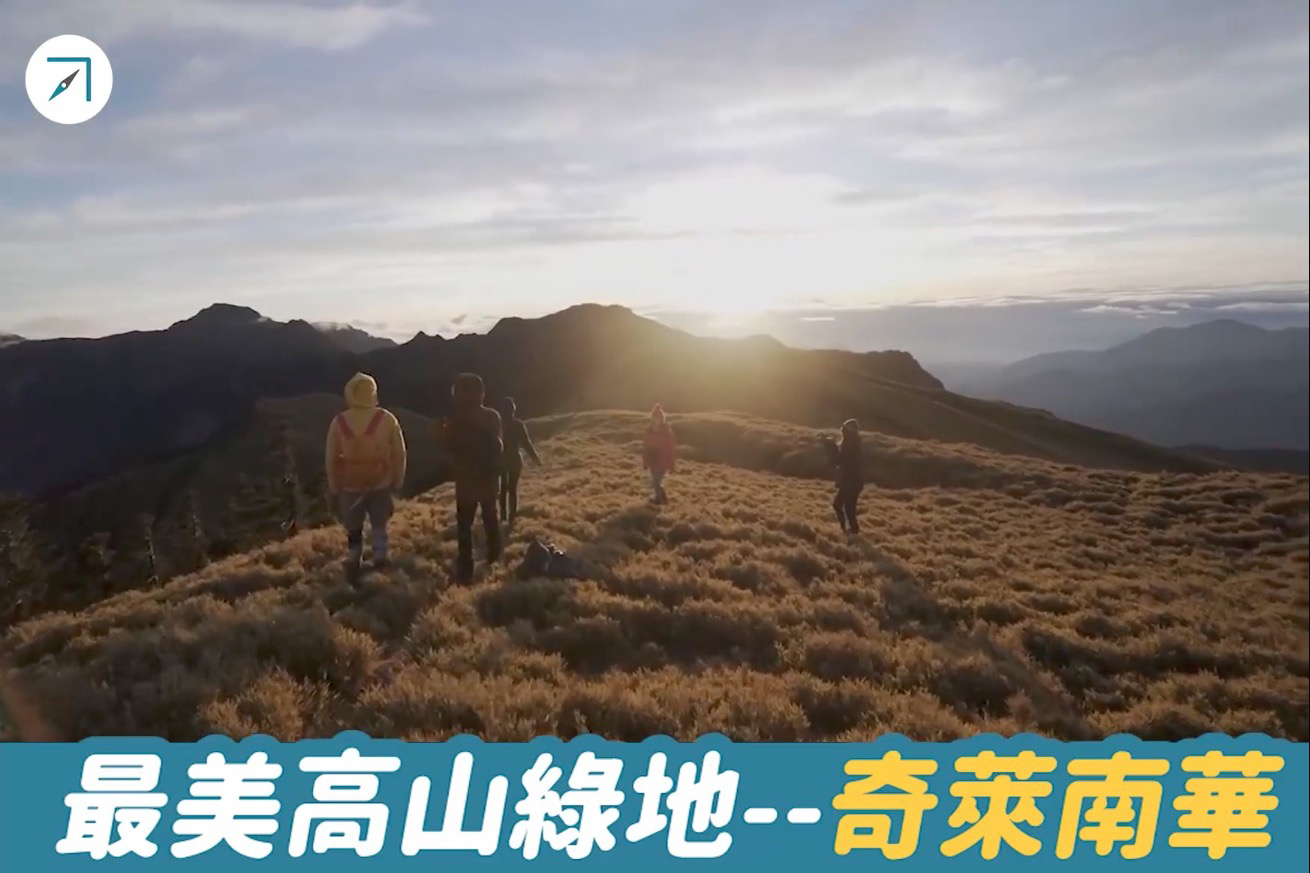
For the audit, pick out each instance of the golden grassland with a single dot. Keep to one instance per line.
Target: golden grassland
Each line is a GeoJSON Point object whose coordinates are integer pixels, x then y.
{"type": "Point", "coordinates": [987, 593]}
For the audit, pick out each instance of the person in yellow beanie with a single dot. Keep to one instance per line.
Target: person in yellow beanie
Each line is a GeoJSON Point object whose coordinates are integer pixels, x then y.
{"type": "Point", "coordinates": [365, 467]}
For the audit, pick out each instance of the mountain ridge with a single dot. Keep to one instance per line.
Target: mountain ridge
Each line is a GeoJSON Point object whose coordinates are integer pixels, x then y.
{"type": "Point", "coordinates": [1222, 383]}
{"type": "Point", "coordinates": [149, 394]}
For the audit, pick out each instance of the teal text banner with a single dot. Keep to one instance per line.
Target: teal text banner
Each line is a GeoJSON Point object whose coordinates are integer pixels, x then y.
{"type": "Point", "coordinates": [352, 803]}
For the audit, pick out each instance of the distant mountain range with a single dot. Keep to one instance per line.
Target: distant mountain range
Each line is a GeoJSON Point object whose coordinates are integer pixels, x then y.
{"type": "Point", "coordinates": [79, 410]}
{"type": "Point", "coordinates": [1220, 384]}
{"type": "Point", "coordinates": [9, 339]}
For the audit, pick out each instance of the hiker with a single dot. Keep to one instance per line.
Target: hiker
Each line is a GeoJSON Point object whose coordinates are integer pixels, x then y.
{"type": "Point", "coordinates": [847, 459]}
{"type": "Point", "coordinates": [517, 442]}
{"type": "Point", "coordinates": [659, 452]}
{"type": "Point", "coordinates": [472, 439]}
{"type": "Point", "coordinates": [365, 467]}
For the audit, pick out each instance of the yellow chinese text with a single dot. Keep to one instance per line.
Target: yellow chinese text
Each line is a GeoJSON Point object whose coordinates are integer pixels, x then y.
{"type": "Point", "coordinates": [1000, 781]}
{"type": "Point", "coordinates": [871, 826]}
{"type": "Point", "coordinates": [1120, 779]}
{"type": "Point", "coordinates": [1224, 808]}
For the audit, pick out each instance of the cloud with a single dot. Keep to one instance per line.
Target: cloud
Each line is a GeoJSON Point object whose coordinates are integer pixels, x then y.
{"type": "Point", "coordinates": [1134, 311]}
{"type": "Point", "coordinates": [48, 326]}
{"type": "Point", "coordinates": [1266, 306]}
{"type": "Point", "coordinates": [978, 330]}
{"type": "Point", "coordinates": [518, 159]}
{"type": "Point", "coordinates": [288, 24]}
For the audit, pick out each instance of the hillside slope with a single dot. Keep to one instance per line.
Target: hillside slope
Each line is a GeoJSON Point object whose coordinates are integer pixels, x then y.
{"type": "Point", "coordinates": [231, 495]}
{"type": "Point", "coordinates": [1256, 460]}
{"type": "Point", "coordinates": [986, 594]}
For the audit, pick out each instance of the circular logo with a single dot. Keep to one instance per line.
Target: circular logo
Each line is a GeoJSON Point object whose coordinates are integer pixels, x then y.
{"type": "Point", "coordinates": [69, 79]}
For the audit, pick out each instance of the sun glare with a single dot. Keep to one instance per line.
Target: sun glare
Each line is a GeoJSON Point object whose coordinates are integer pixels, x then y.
{"type": "Point", "coordinates": [732, 319]}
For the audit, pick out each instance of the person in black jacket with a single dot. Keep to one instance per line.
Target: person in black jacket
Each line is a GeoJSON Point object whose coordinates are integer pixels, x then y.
{"type": "Point", "coordinates": [847, 459]}
{"type": "Point", "coordinates": [517, 442]}
{"type": "Point", "coordinates": [472, 440]}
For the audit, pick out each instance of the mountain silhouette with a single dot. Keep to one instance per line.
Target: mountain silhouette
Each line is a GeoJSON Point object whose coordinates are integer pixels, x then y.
{"type": "Point", "coordinates": [77, 410]}
{"type": "Point", "coordinates": [1224, 384]}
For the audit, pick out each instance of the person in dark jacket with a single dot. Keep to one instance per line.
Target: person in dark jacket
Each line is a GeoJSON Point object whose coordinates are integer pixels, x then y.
{"type": "Point", "coordinates": [472, 439]}
{"type": "Point", "coordinates": [517, 442]}
{"type": "Point", "coordinates": [850, 476]}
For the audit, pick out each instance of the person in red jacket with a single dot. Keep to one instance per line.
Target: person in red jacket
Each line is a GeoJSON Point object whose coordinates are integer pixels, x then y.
{"type": "Point", "coordinates": [659, 453]}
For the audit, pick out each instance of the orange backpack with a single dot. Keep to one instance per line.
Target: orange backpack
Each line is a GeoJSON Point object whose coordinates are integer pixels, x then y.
{"type": "Point", "coordinates": [364, 461]}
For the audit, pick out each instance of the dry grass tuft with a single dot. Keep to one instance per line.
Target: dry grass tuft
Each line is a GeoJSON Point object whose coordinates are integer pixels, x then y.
{"type": "Point", "coordinates": [988, 594]}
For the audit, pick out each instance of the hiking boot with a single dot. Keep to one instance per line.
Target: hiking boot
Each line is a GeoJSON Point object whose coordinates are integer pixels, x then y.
{"type": "Point", "coordinates": [464, 569]}
{"type": "Point", "coordinates": [352, 567]}
{"type": "Point", "coordinates": [381, 549]}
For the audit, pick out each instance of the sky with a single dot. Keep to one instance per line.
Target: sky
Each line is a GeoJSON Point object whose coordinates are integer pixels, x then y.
{"type": "Point", "coordinates": [961, 337]}
{"type": "Point", "coordinates": [415, 166]}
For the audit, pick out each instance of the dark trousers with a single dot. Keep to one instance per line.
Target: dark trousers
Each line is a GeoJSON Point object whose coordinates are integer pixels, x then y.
{"type": "Point", "coordinates": [509, 492]}
{"type": "Point", "coordinates": [846, 504]}
{"type": "Point", "coordinates": [465, 512]}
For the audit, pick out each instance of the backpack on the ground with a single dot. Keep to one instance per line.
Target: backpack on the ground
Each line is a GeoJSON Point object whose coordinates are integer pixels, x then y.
{"type": "Point", "coordinates": [544, 560]}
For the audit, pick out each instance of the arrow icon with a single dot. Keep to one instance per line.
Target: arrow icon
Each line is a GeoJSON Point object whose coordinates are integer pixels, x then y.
{"type": "Point", "coordinates": [63, 86]}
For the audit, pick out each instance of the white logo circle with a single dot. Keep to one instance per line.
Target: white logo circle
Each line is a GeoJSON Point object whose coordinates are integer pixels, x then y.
{"type": "Point", "coordinates": [69, 79]}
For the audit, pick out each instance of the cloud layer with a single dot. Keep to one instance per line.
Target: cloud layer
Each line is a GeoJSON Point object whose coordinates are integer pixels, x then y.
{"type": "Point", "coordinates": [406, 163]}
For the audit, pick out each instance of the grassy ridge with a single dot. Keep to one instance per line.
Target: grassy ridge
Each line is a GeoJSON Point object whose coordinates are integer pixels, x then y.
{"type": "Point", "coordinates": [987, 594]}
